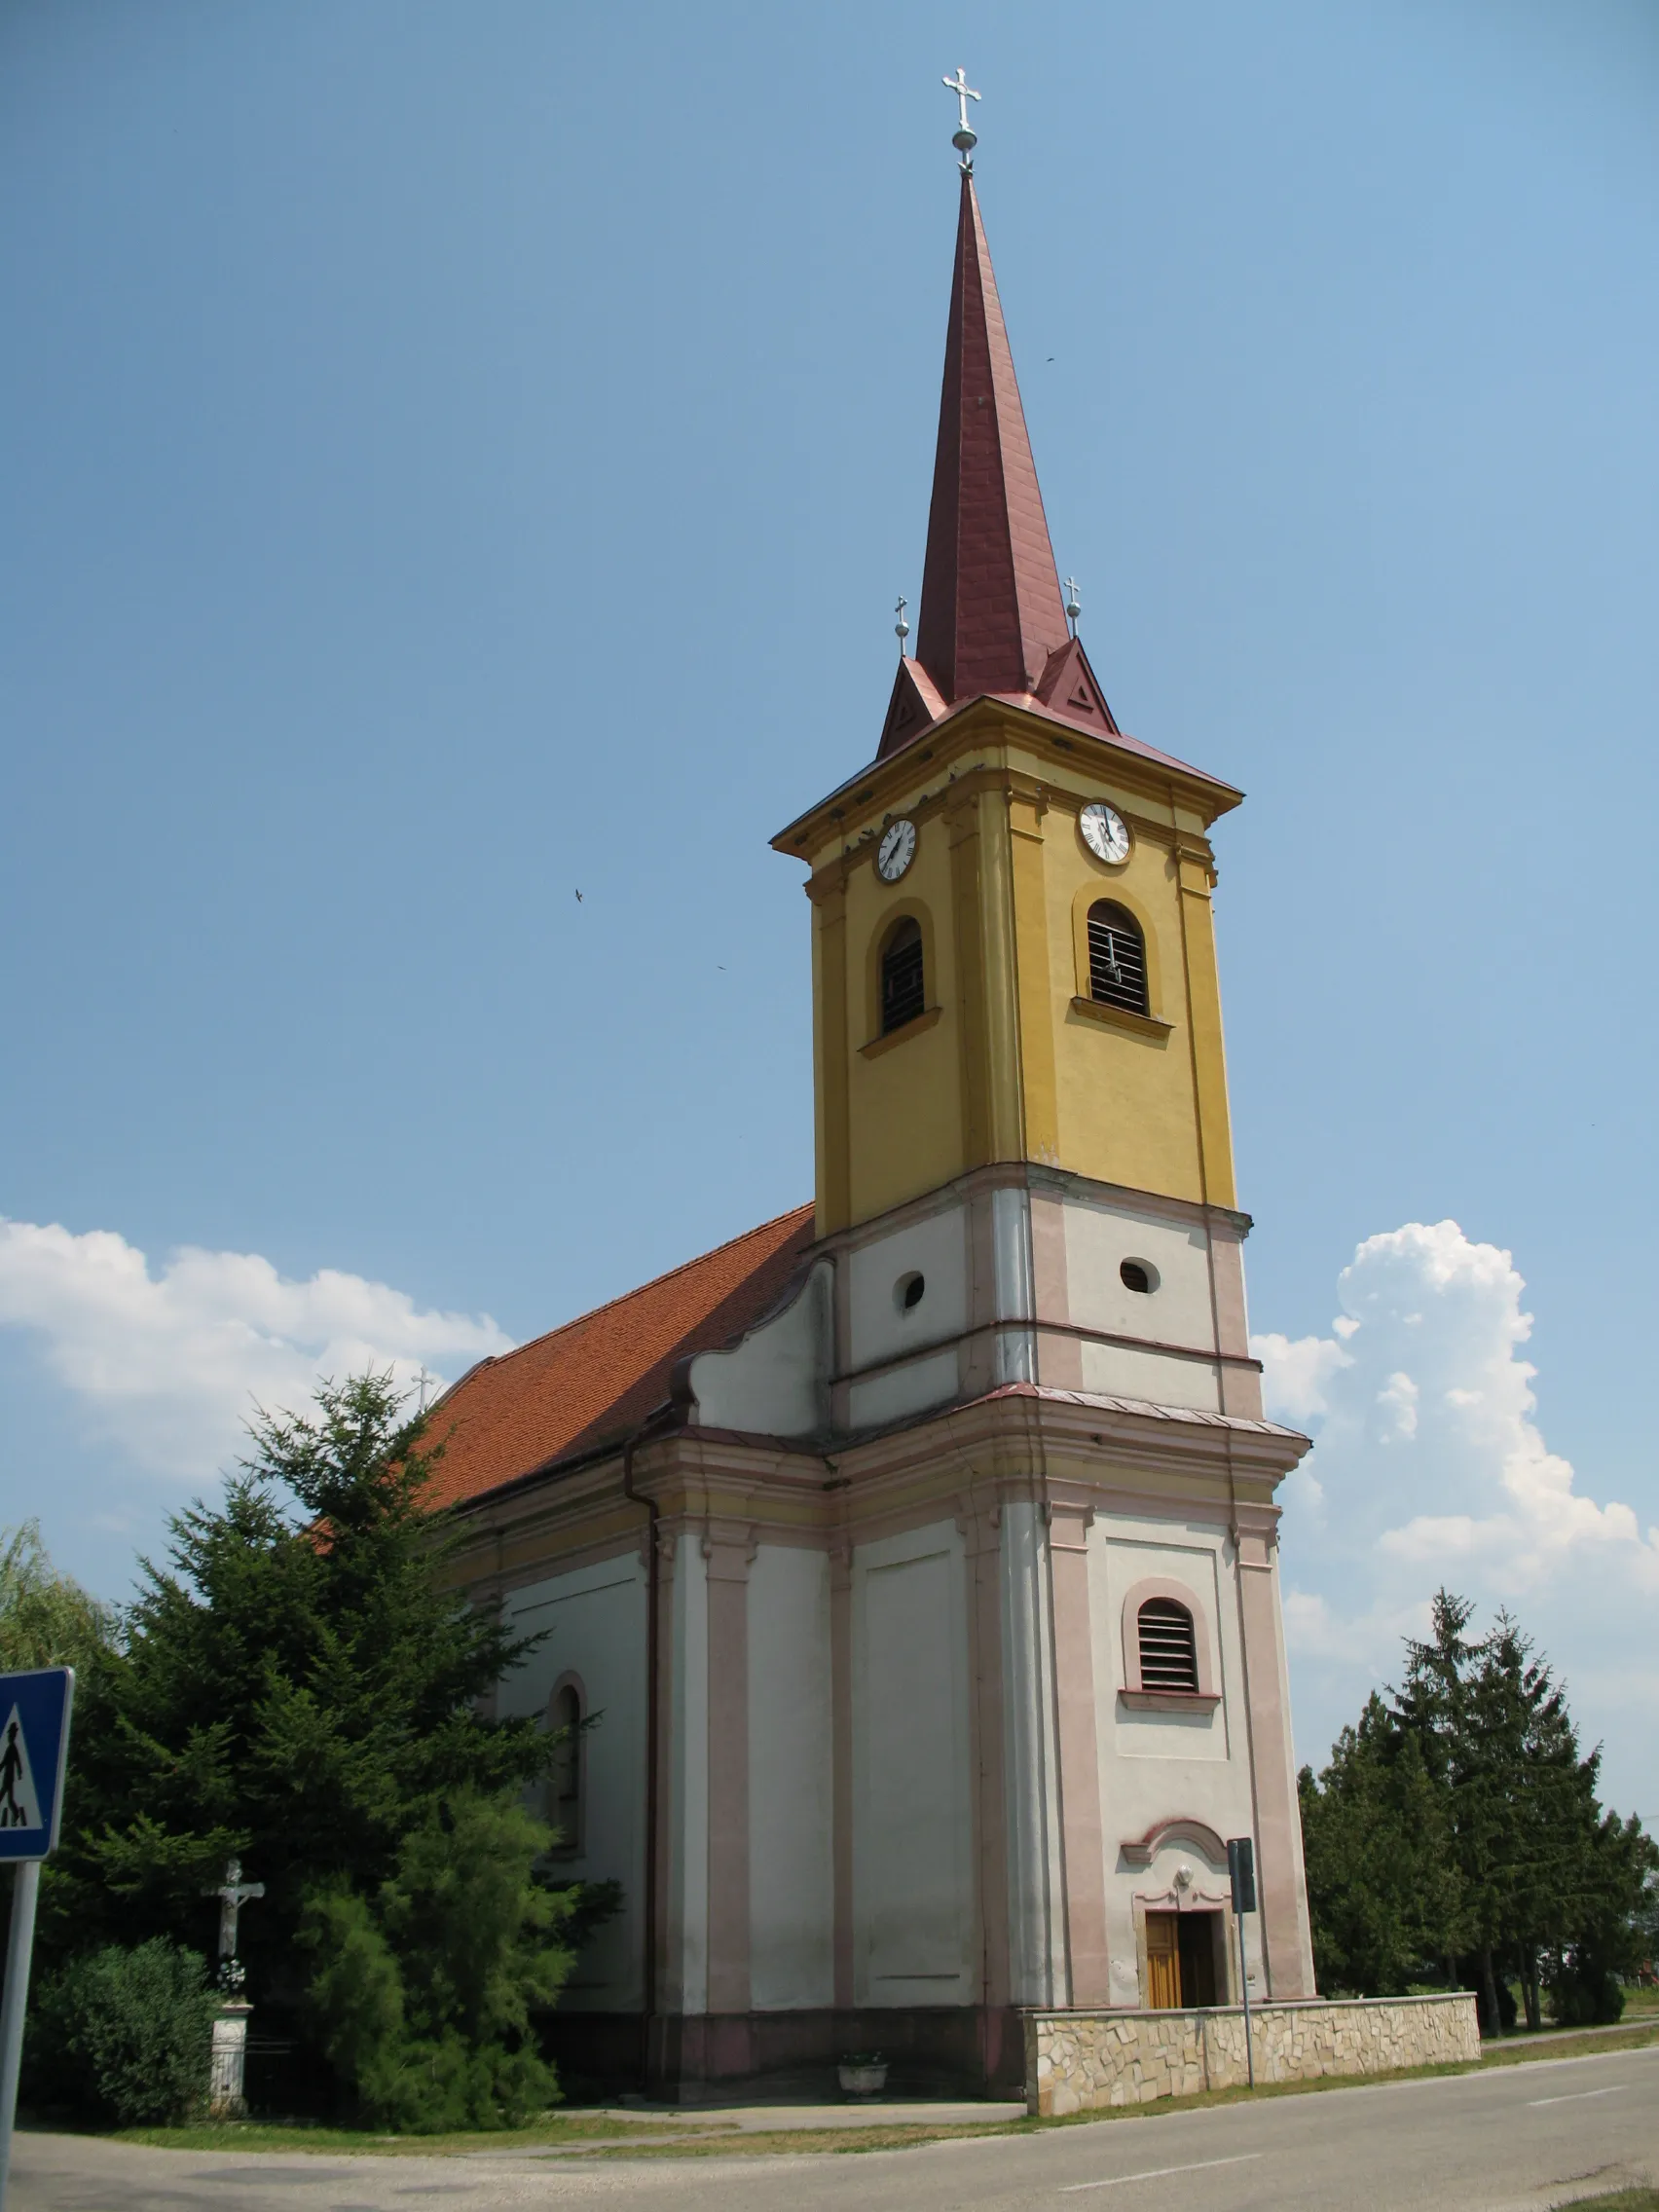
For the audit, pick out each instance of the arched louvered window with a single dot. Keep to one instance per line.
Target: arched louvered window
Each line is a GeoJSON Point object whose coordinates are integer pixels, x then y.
{"type": "Point", "coordinates": [1117, 957]}
{"type": "Point", "coordinates": [1169, 1647]}
{"type": "Point", "coordinates": [565, 1717]}
{"type": "Point", "coordinates": [903, 992]}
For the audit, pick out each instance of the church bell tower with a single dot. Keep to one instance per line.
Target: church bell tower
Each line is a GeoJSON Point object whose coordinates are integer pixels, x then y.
{"type": "Point", "coordinates": [1025, 1194]}
{"type": "Point", "coordinates": [1013, 959]}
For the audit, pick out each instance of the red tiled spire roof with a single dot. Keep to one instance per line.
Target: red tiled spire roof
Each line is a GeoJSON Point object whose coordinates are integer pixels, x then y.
{"type": "Point", "coordinates": [992, 615]}
{"type": "Point", "coordinates": [590, 1382]}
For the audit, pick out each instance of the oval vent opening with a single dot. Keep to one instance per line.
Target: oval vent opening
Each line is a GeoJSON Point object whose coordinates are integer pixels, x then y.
{"type": "Point", "coordinates": [907, 1292]}
{"type": "Point", "coordinates": [1139, 1276]}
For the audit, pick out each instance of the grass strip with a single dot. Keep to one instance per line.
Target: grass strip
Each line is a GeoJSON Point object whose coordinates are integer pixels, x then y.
{"type": "Point", "coordinates": [302, 2136]}
{"type": "Point", "coordinates": [1568, 2047]}
{"type": "Point", "coordinates": [591, 2136]}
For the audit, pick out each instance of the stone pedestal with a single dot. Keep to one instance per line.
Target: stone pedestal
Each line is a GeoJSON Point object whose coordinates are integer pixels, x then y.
{"type": "Point", "coordinates": [226, 2097]}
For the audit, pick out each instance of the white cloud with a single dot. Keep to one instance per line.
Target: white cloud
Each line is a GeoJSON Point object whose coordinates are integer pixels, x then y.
{"type": "Point", "coordinates": [170, 1365]}
{"type": "Point", "coordinates": [1300, 1374]}
{"type": "Point", "coordinates": [1429, 1467]}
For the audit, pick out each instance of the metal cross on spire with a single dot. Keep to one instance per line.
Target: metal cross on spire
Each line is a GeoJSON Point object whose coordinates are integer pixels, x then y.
{"type": "Point", "coordinates": [963, 139]}
{"type": "Point", "coordinates": [1074, 604]}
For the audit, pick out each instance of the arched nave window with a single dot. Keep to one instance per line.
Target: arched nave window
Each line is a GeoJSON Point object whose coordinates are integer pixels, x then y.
{"type": "Point", "coordinates": [564, 1716]}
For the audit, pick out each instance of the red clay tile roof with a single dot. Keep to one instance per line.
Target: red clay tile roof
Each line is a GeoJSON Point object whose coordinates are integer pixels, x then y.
{"type": "Point", "coordinates": [591, 1381]}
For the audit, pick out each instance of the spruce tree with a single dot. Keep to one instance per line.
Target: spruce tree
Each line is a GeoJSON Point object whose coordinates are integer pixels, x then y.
{"type": "Point", "coordinates": [303, 1685]}
{"type": "Point", "coordinates": [1457, 1829]}
{"type": "Point", "coordinates": [1384, 1892]}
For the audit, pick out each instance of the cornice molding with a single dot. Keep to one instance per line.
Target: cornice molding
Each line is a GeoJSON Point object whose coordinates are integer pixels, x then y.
{"type": "Point", "coordinates": [1044, 1179]}
{"type": "Point", "coordinates": [999, 723]}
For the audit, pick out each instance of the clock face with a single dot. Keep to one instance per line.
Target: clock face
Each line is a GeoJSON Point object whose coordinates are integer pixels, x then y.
{"type": "Point", "coordinates": [896, 851]}
{"type": "Point", "coordinates": [1105, 832]}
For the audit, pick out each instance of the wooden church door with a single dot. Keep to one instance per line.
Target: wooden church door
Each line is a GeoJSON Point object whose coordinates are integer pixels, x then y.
{"type": "Point", "coordinates": [1180, 1960]}
{"type": "Point", "coordinates": [1163, 1961]}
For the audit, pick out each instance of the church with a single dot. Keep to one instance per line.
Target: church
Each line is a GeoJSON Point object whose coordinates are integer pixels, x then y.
{"type": "Point", "coordinates": [913, 1558]}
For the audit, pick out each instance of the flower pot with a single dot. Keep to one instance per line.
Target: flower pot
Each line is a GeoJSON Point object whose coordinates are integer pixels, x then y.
{"type": "Point", "coordinates": [864, 2079]}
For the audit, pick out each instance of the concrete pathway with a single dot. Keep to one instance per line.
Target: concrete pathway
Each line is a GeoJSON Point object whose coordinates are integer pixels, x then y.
{"type": "Point", "coordinates": [877, 2112]}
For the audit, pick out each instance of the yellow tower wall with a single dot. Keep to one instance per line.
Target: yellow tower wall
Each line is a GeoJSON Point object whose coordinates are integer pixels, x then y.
{"type": "Point", "coordinates": [1012, 1061]}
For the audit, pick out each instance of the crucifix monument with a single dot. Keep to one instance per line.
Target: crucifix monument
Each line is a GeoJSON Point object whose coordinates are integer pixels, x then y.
{"type": "Point", "coordinates": [227, 2086]}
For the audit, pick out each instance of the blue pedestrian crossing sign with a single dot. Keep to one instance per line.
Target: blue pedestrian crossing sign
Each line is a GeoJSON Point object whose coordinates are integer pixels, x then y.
{"type": "Point", "coordinates": [34, 1744]}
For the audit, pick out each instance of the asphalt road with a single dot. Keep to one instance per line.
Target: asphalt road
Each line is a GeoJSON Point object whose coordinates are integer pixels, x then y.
{"type": "Point", "coordinates": [1519, 2137]}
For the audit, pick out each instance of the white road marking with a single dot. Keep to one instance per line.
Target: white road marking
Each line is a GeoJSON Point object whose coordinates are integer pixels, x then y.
{"type": "Point", "coordinates": [1156, 2173]}
{"type": "Point", "coordinates": [1578, 2098]}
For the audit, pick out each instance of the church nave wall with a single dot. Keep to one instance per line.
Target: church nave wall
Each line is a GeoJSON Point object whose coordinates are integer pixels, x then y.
{"type": "Point", "coordinates": [912, 1810]}
{"type": "Point", "coordinates": [791, 1821]}
{"type": "Point", "coordinates": [597, 1617]}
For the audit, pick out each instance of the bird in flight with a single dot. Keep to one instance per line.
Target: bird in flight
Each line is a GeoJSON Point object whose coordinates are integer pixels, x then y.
{"type": "Point", "coordinates": [578, 898]}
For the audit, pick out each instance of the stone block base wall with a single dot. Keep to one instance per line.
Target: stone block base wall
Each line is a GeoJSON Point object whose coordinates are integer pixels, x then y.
{"type": "Point", "coordinates": [1077, 2061]}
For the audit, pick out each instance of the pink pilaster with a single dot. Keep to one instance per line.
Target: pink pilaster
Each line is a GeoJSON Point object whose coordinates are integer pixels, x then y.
{"type": "Point", "coordinates": [1279, 1878]}
{"type": "Point", "coordinates": [729, 1552]}
{"type": "Point", "coordinates": [1080, 1759]}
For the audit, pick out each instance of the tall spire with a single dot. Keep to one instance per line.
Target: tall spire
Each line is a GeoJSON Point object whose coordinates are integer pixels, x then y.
{"type": "Point", "coordinates": [991, 612]}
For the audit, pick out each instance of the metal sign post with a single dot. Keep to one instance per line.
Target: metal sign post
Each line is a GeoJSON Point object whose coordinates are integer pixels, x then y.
{"type": "Point", "coordinates": [1241, 1868]}
{"type": "Point", "coordinates": [34, 1746]}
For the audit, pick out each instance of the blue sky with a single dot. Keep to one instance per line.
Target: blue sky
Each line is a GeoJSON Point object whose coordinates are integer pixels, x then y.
{"type": "Point", "coordinates": [456, 455]}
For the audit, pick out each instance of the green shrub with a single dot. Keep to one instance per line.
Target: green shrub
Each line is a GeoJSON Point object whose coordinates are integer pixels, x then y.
{"type": "Point", "coordinates": [424, 1993]}
{"type": "Point", "coordinates": [1584, 1992]}
{"type": "Point", "coordinates": [122, 2037]}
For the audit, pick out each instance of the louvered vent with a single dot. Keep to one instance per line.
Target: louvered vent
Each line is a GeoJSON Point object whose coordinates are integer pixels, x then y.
{"type": "Point", "coordinates": [1168, 1648]}
{"type": "Point", "coordinates": [1117, 958]}
{"type": "Point", "coordinates": [903, 992]}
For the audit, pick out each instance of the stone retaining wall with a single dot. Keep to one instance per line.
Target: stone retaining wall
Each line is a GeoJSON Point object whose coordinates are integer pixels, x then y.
{"type": "Point", "coordinates": [1075, 2062]}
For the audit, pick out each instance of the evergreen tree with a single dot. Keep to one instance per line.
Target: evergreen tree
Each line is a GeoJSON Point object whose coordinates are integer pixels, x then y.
{"type": "Point", "coordinates": [1383, 1893]}
{"type": "Point", "coordinates": [1459, 1824]}
{"type": "Point", "coordinates": [1538, 1810]}
{"type": "Point", "coordinates": [1611, 1936]}
{"type": "Point", "coordinates": [302, 1686]}
{"type": "Point", "coordinates": [423, 1993]}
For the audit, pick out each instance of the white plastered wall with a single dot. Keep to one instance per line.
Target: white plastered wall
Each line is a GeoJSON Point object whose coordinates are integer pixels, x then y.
{"type": "Point", "coordinates": [1180, 1311]}
{"type": "Point", "coordinates": [776, 1382]}
{"type": "Point", "coordinates": [912, 1797]}
{"type": "Point", "coordinates": [1159, 1766]}
{"type": "Point", "coordinates": [791, 1781]}
{"type": "Point", "coordinates": [1119, 1371]}
{"type": "Point", "coordinates": [881, 1328]}
{"type": "Point", "coordinates": [1037, 1954]}
{"type": "Point", "coordinates": [901, 1390]}
{"type": "Point", "coordinates": [597, 1618]}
